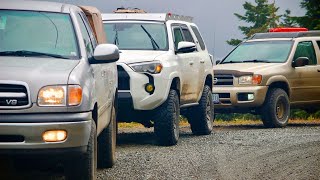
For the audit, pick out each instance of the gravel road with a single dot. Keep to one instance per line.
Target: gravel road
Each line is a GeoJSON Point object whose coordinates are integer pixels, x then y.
{"type": "Point", "coordinates": [231, 152]}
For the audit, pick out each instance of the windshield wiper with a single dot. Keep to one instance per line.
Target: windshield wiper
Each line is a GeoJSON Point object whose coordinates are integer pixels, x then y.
{"type": "Point", "coordinates": [257, 61]}
{"type": "Point", "coordinates": [223, 62]}
{"type": "Point", "coordinates": [116, 40]}
{"type": "Point", "coordinates": [30, 53]}
{"type": "Point", "coordinates": [153, 42]}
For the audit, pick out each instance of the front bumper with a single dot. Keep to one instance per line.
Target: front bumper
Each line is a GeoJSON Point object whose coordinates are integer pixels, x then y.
{"type": "Point", "coordinates": [140, 99]}
{"type": "Point", "coordinates": [29, 128]}
{"type": "Point", "coordinates": [229, 96]}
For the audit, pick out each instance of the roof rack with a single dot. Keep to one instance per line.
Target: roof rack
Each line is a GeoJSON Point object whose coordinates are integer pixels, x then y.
{"type": "Point", "coordinates": [128, 10]}
{"type": "Point", "coordinates": [146, 16]}
{"type": "Point", "coordinates": [285, 35]}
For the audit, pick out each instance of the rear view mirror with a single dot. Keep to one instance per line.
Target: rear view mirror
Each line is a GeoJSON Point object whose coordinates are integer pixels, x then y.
{"type": "Point", "coordinates": [218, 61]}
{"type": "Point", "coordinates": [106, 53]}
{"type": "Point", "coordinates": [186, 47]}
{"type": "Point", "coordinates": [301, 61]}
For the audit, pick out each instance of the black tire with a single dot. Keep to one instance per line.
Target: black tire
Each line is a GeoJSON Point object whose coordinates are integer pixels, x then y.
{"type": "Point", "coordinates": [201, 117]}
{"type": "Point", "coordinates": [276, 109]}
{"type": "Point", "coordinates": [107, 143]}
{"type": "Point", "coordinates": [84, 167]}
{"type": "Point", "coordinates": [166, 124]}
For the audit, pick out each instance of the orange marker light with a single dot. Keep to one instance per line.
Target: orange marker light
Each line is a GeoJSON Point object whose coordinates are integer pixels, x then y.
{"type": "Point", "coordinates": [74, 95]}
{"type": "Point", "coordinates": [256, 79]}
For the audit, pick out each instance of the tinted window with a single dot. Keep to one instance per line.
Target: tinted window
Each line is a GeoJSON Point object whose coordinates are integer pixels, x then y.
{"type": "Point", "coordinates": [42, 32]}
{"type": "Point", "coordinates": [178, 37]}
{"type": "Point", "coordinates": [306, 49]}
{"type": "Point", "coordinates": [318, 42]}
{"type": "Point", "coordinates": [271, 51]}
{"type": "Point", "coordinates": [198, 35]}
{"type": "Point", "coordinates": [137, 36]}
{"type": "Point", "coordinates": [187, 35]}
{"type": "Point", "coordinates": [86, 37]}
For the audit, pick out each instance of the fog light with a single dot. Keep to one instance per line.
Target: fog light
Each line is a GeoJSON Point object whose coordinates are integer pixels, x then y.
{"type": "Point", "coordinates": [250, 97]}
{"type": "Point", "coordinates": [149, 88]}
{"type": "Point", "coordinates": [54, 135]}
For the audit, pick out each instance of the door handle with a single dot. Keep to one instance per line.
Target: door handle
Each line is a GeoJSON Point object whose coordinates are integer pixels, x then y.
{"type": "Point", "coordinates": [191, 62]}
{"type": "Point", "coordinates": [202, 61]}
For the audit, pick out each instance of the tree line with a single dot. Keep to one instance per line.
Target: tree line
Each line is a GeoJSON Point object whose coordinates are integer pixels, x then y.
{"type": "Point", "coordinates": [262, 15]}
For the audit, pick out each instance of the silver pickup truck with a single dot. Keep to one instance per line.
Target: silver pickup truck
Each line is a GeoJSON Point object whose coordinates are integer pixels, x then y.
{"type": "Point", "coordinates": [58, 85]}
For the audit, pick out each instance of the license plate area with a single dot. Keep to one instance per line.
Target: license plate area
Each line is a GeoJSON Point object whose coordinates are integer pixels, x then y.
{"type": "Point", "coordinates": [215, 99]}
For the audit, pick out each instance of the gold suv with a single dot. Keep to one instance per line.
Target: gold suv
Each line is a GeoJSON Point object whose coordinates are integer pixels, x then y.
{"type": "Point", "coordinates": [268, 74]}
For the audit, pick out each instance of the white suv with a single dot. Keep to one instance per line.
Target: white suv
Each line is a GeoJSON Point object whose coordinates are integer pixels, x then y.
{"type": "Point", "coordinates": [164, 66]}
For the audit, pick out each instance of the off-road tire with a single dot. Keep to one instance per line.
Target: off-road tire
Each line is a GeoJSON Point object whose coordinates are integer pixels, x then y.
{"type": "Point", "coordinates": [166, 120]}
{"type": "Point", "coordinates": [201, 117]}
{"type": "Point", "coordinates": [276, 109]}
{"type": "Point", "coordinates": [107, 143]}
{"type": "Point", "coordinates": [84, 167]}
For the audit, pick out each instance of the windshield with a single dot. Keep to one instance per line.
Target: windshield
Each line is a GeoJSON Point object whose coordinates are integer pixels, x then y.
{"type": "Point", "coordinates": [260, 51]}
{"type": "Point", "coordinates": [30, 33]}
{"type": "Point", "coordinates": [137, 36]}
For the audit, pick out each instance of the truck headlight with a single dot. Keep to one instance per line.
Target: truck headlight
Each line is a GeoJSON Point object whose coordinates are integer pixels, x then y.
{"type": "Point", "coordinates": [57, 95]}
{"type": "Point", "coordinates": [250, 79]}
{"type": "Point", "coordinates": [151, 67]}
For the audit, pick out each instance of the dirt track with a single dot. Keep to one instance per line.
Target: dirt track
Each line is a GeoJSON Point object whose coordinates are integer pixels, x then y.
{"type": "Point", "coordinates": [234, 152]}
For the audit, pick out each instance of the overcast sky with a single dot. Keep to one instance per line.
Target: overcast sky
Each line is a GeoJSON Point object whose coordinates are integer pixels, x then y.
{"type": "Point", "coordinates": [214, 17]}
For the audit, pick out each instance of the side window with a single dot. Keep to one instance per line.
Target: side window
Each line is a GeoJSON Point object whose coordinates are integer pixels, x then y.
{"type": "Point", "coordinates": [86, 37]}
{"type": "Point", "coordinates": [187, 35]}
{"type": "Point", "coordinates": [198, 35]}
{"type": "Point", "coordinates": [178, 37]}
{"type": "Point", "coordinates": [306, 49]}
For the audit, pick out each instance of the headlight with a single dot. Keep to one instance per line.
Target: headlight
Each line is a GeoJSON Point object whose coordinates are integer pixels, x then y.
{"type": "Point", "coordinates": [250, 79]}
{"type": "Point", "coordinates": [57, 95]}
{"type": "Point", "coordinates": [153, 67]}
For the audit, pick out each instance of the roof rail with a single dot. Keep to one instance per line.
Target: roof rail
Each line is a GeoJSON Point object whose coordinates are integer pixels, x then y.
{"type": "Point", "coordinates": [285, 35]}
{"type": "Point", "coordinates": [179, 17]}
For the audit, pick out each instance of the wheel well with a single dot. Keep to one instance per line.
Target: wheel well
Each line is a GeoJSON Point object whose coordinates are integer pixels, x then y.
{"type": "Point", "coordinates": [281, 85]}
{"type": "Point", "coordinates": [95, 113]}
{"type": "Point", "coordinates": [209, 81]}
{"type": "Point", "coordinates": [176, 85]}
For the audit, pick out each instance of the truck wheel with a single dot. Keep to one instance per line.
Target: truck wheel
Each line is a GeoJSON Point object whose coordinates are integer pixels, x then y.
{"type": "Point", "coordinates": [107, 143]}
{"type": "Point", "coordinates": [166, 125]}
{"type": "Point", "coordinates": [201, 117]}
{"type": "Point", "coordinates": [276, 109]}
{"type": "Point", "coordinates": [84, 167]}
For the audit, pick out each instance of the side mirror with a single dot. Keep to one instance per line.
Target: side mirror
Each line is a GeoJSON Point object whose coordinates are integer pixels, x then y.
{"type": "Point", "coordinates": [186, 47]}
{"type": "Point", "coordinates": [300, 61]}
{"type": "Point", "coordinates": [106, 53]}
{"type": "Point", "coordinates": [217, 62]}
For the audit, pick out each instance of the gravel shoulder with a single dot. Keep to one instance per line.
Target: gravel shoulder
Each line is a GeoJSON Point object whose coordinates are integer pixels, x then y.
{"type": "Point", "coordinates": [231, 152]}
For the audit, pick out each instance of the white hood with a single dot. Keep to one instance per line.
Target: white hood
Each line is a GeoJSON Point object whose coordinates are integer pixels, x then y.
{"type": "Point", "coordinates": [134, 56]}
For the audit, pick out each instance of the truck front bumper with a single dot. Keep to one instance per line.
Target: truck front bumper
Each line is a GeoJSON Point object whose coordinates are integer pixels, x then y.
{"type": "Point", "coordinates": [138, 96]}
{"type": "Point", "coordinates": [240, 97]}
{"type": "Point", "coordinates": [24, 131]}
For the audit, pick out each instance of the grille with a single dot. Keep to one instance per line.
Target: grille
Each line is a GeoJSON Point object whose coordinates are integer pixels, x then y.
{"type": "Point", "coordinates": [13, 95]}
{"type": "Point", "coordinates": [223, 80]}
{"type": "Point", "coordinates": [123, 79]}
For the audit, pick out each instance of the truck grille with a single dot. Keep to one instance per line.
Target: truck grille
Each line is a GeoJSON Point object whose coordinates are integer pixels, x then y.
{"type": "Point", "coordinates": [223, 80]}
{"type": "Point", "coordinates": [13, 96]}
{"type": "Point", "coordinates": [123, 79]}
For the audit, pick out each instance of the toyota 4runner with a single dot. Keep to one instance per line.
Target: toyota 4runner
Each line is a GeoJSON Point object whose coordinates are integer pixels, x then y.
{"type": "Point", "coordinates": [58, 85]}
{"type": "Point", "coordinates": [164, 66]}
{"type": "Point", "coordinates": [270, 73]}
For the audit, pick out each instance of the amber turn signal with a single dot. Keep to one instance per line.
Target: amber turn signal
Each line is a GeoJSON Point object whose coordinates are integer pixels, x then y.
{"type": "Point", "coordinates": [74, 95]}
